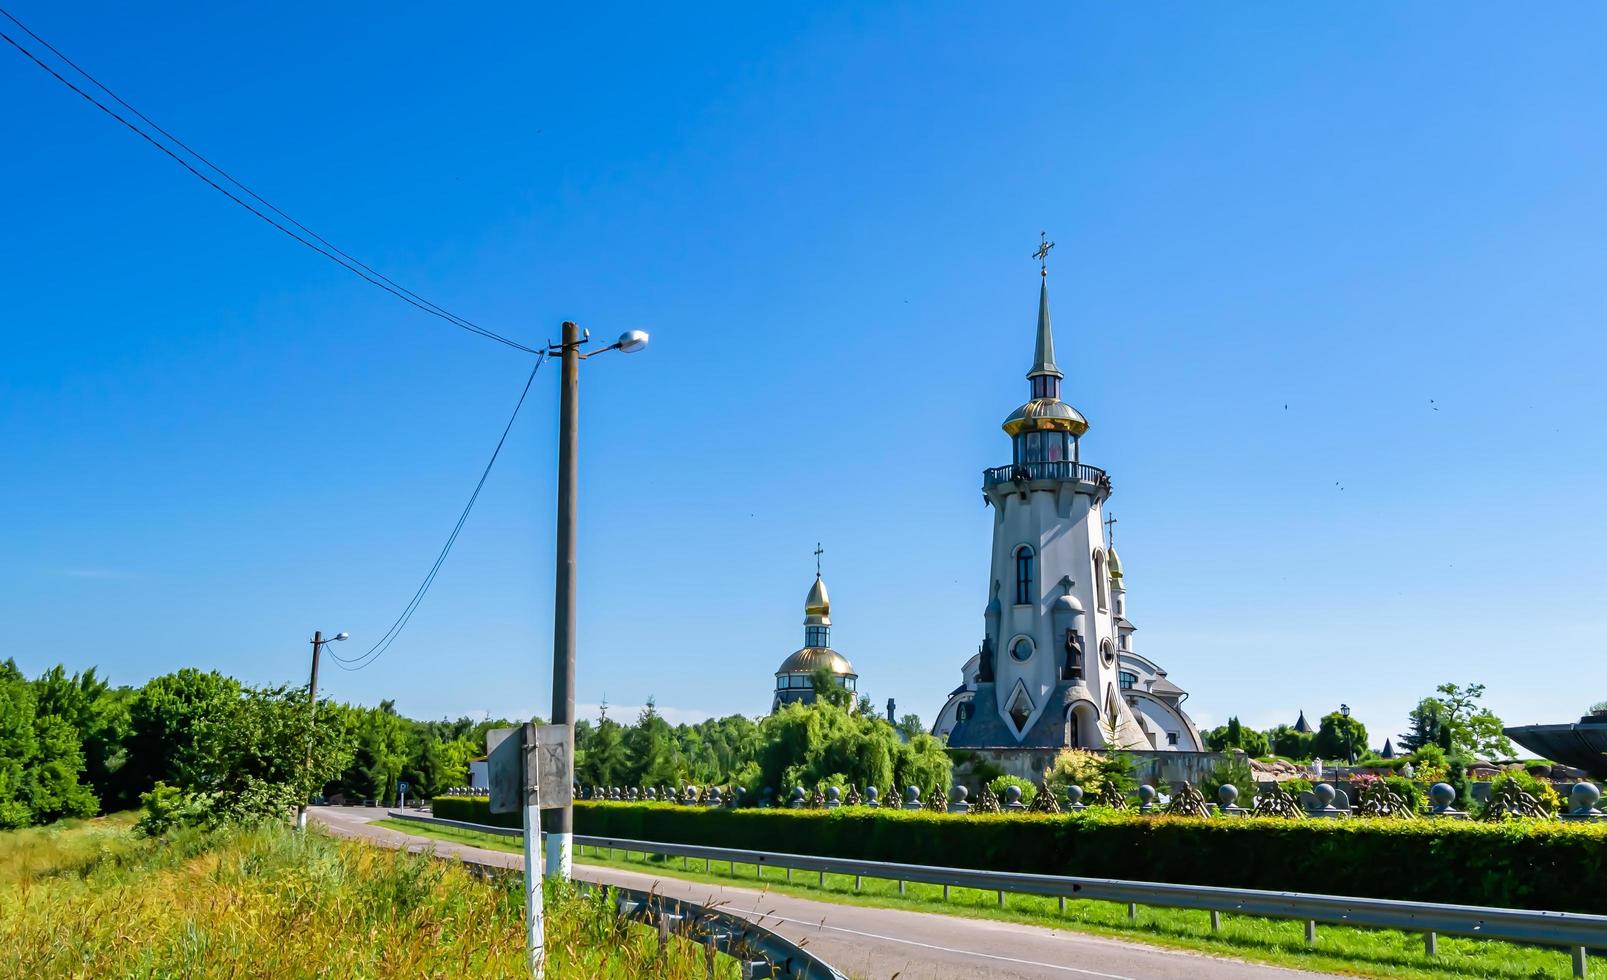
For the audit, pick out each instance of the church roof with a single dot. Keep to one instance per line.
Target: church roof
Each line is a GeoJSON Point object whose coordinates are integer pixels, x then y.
{"type": "Point", "coordinates": [1046, 413]}
{"type": "Point", "coordinates": [1043, 357]}
{"type": "Point", "coordinates": [1163, 686]}
{"type": "Point", "coordinates": [810, 659]}
{"type": "Point", "coordinates": [1301, 725]}
{"type": "Point", "coordinates": [817, 606]}
{"type": "Point", "coordinates": [1113, 564]}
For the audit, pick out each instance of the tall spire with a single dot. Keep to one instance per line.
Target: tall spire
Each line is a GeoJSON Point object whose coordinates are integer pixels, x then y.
{"type": "Point", "coordinates": [1043, 357]}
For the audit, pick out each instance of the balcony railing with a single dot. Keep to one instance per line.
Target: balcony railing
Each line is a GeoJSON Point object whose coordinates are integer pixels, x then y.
{"type": "Point", "coordinates": [1057, 470]}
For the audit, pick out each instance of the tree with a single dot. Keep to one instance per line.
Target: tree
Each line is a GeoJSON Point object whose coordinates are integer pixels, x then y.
{"type": "Point", "coordinates": [910, 726]}
{"type": "Point", "coordinates": [607, 761]}
{"type": "Point", "coordinates": [1290, 744]}
{"type": "Point", "coordinates": [1425, 726]}
{"type": "Point", "coordinates": [173, 723]}
{"type": "Point", "coordinates": [1458, 723]}
{"type": "Point", "coordinates": [652, 752]}
{"type": "Point", "coordinates": [1233, 735]}
{"type": "Point", "coordinates": [1339, 736]}
{"type": "Point", "coordinates": [98, 713]}
{"type": "Point", "coordinates": [829, 688]}
{"type": "Point", "coordinates": [384, 746]}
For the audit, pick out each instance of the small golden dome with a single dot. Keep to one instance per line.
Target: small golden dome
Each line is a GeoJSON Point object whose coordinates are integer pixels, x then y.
{"type": "Point", "coordinates": [1049, 414]}
{"type": "Point", "coordinates": [1113, 564]}
{"type": "Point", "coordinates": [817, 607]}
{"type": "Point", "coordinates": [810, 659]}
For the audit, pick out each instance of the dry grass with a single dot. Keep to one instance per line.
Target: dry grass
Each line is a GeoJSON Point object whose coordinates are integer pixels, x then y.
{"type": "Point", "coordinates": [93, 900]}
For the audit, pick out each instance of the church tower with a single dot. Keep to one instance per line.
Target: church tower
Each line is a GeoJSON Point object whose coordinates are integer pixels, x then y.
{"type": "Point", "coordinates": [1047, 672]}
{"type": "Point", "coordinates": [795, 677]}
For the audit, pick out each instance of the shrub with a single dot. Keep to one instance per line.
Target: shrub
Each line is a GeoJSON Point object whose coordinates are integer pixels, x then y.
{"type": "Point", "coordinates": [1429, 765]}
{"type": "Point", "coordinates": [1077, 767]}
{"type": "Point", "coordinates": [1235, 770]}
{"type": "Point", "coordinates": [999, 784]}
{"type": "Point", "coordinates": [167, 808]}
{"type": "Point", "coordinates": [1520, 864]}
{"type": "Point", "coordinates": [1540, 789]}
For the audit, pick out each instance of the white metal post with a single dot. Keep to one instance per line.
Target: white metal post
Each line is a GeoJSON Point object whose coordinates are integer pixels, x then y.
{"type": "Point", "coordinates": [533, 926]}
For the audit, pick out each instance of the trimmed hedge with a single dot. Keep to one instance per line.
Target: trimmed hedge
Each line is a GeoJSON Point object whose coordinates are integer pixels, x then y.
{"type": "Point", "coordinates": [1514, 864]}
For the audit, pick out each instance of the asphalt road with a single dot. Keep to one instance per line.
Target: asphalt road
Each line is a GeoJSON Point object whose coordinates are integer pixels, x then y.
{"type": "Point", "coordinates": [868, 942]}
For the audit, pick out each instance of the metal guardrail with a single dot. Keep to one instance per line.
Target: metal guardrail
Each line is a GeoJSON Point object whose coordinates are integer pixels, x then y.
{"type": "Point", "coordinates": [759, 951]}
{"type": "Point", "coordinates": [1574, 931]}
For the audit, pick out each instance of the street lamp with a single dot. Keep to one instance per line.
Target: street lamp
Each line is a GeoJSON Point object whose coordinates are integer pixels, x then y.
{"type": "Point", "coordinates": [318, 642]}
{"type": "Point", "coordinates": [1350, 741]}
{"type": "Point", "coordinates": [559, 823]}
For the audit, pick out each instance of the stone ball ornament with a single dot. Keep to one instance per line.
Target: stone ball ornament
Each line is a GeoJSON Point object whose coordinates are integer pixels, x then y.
{"type": "Point", "coordinates": [1325, 795]}
{"type": "Point", "coordinates": [833, 794]}
{"type": "Point", "coordinates": [1146, 794]}
{"type": "Point", "coordinates": [958, 794]}
{"type": "Point", "coordinates": [1228, 794]}
{"type": "Point", "coordinates": [1074, 795]}
{"type": "Point", "coordinates": [1584, 797]}
{"type": "Point", "coordinates": [1443, 794]}
{"type": "Point", "coordinates": [912, 794]}
{"type": "Point", "coordinates": [1012, 795]}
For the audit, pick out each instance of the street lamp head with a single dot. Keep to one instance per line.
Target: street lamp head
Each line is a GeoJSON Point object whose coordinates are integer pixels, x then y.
{"type": "Point", "coordinates": [632, 341]}
{"type": "Point", "coordinates": [342, 635]}
{"type": "Point", "coordinates": [1344, 709]}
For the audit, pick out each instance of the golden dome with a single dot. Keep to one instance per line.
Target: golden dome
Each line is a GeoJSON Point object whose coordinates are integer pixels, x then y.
{"type": "Point", "coordinates": [1049, 414]}
{"type": "Point", "coordinates": [810, 659]}
{"type": "Point", "coordinates": [1113, 564]}
{"type": "Point", "coordinates": [817, 607]}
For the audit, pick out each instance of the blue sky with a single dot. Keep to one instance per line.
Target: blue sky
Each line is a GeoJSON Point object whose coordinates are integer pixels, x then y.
{"type": "Point", "coordinates": [1328, 285]}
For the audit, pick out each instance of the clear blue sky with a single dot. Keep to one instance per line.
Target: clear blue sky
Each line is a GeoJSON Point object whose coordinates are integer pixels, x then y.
{"type": "Point", "coordinates": [215, 442]}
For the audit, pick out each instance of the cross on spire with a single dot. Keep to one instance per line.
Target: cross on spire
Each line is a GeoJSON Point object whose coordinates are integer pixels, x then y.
{"type": "Point", "coordinates": [1042, 253]}
{"type": "Point", "coordinates": [1110, 531]}
{"type": "Point", "coordinates": [818, 552]}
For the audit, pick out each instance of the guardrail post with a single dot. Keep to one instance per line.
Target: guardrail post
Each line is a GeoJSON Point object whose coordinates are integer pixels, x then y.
{"type": "Point", "coordinates": [823, 879]}
{"type": "Point", "coordinates": [1062, 905]}
{"type": "Point", "coordinates": [1311, 932]}
{"type": "Point", "coordinates": [856, 882]}
{"type": "Point", "coordinates": [1216, 917]}
{"type": "Point", "coordinates": [789, 876]}
{"type": "Point", "coordinates": [1581, 954]}
{"type": "Point", "coordinates": [901, 886]}
{"type": "Point", "coordinates": [945, 893]}
{"type": "Point", "coordinates": [1132, 911]}
{"type": "Point", "coordinates": [1431, 944]}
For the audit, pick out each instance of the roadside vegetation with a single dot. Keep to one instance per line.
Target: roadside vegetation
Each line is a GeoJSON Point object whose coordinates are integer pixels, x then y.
{"type": "Point", "coordinates": [96, 898]}
{"type": "Point", "coordinates": [1356, 952]}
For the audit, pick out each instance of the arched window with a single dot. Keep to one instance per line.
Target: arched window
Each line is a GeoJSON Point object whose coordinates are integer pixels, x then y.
{"type": "Point", "coordinates": [1127, 679]}
{"type": "Point", "coordinates": [1101, 586]}
{"type": "Point", "coordinates": [1023, 576]}
{"type": "Point", "coordinates": [1021, 650]}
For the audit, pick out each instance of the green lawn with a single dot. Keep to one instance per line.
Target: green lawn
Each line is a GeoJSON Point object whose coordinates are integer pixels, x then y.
{"type": "Point", "coordinates": [1360, 952]}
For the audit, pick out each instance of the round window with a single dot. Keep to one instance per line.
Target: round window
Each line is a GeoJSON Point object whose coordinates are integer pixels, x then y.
{"type": "Point", "coordinates": [1021, 650]}
{"type": "Point", "coordinates": [1106, 653]}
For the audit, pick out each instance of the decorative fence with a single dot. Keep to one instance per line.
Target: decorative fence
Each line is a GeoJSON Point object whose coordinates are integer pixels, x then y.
{"type": "Point", "coordinates": [1323, 801]}
{"type": "Point", "coordinates": [1575, 932]}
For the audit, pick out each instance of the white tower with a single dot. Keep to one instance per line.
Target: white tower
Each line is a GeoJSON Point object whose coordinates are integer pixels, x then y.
{"type": "Point", "coordinates": [1047, 675]}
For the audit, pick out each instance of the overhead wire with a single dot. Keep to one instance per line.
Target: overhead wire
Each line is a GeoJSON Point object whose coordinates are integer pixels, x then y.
{"type": "Point", "coordinates": [311, 240]}
{"type": "Point", "coordinates": [383, 644]}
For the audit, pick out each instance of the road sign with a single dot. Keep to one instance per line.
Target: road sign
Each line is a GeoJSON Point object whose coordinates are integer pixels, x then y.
{"type": "Point", "coordinates": [528, 765]}
{"type": "Point", "coordinates": [402, 786]}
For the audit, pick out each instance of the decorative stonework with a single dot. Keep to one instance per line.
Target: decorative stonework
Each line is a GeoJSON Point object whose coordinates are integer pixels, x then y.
{"type": "Point", "coordinates": [1378, 800]}
{"type": "Point", "coordinates": [1510, 802]}
{"type": "Point", "coordinates": [986, 801]}
{"type": "Point", "coordinates": [1045, 801]}
{"type": "Point", "coordinates": [1276, 802]}
{"type": "Point", "coordinates": [1110, 795]}
{"type": "Point", "coordinates": [1188, 802]}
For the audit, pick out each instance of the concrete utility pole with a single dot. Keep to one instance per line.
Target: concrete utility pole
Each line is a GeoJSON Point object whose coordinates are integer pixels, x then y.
{"type": "Point", "coordinates": [559, 822]}
{"type": "Point", "coordinates": [312, 712]}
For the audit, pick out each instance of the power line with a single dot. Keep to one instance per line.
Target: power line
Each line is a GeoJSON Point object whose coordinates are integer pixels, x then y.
{"type": "Point", "coordinates": [384, 643]}
{"type": "Point", "coordinates": [313, 241]}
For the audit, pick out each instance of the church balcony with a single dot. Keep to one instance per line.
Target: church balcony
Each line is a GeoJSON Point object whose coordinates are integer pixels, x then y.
{"type": "Point", "coordinates": [1058, 471]}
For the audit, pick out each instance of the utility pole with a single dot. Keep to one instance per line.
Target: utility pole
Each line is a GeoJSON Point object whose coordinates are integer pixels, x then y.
{"type": "Point", "coordinates": [560, 823]}
{"type": "Point", "coordinates": [312, 719]}
{"type": "Point", "coordinates": [312, 713]}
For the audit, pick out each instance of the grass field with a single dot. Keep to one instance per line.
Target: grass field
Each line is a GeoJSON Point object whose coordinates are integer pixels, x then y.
{"type": "Point", "coordinates": [94, 899]}
{"type": "Point", "coordinates": [1360, 952]}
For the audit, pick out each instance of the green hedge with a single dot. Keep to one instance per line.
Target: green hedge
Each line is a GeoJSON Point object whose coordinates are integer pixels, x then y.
{"type": "Point", "coordinates": [1519, 864]}
{"type": "Point", "coordinates": [473, 809]}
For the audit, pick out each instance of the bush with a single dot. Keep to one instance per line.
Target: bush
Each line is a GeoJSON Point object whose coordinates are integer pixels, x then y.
{"type": "Point", "coordinates": [1540, 789]}
{"type": "Point", "coordinates": [473, 809]}
{"type": "Point", "coordinates": [999, 784]}
{"type": "Point", "coordinates": [1519, 864]}
{"type": "Point", "coordinates": [167, 808]}
{"type": "Point", "coordinates": [1077, 767]}
{"type": "Point", "coordinates": [1235, 770]}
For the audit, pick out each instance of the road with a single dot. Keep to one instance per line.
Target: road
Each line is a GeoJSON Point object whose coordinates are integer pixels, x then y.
{"type": "Point", "coordinates": [868, 942]}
